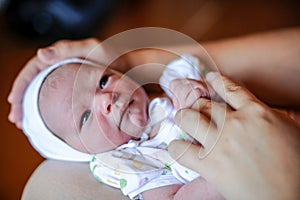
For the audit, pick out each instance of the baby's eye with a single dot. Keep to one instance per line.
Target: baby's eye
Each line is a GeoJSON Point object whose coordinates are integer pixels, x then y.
{"type": "Point", "coordinates": [103, 81]}
{"type": "Point", "coordinates": [85, 117]}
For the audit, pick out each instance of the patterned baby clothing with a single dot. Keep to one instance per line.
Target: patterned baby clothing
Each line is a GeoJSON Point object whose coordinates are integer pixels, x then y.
{"type": "Point", "coordinates": [146, 164]}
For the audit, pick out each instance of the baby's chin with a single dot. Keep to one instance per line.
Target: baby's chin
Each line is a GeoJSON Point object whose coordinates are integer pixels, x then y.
{"type": "Point", "coordinates": [136, 128]}
{"type": "Point", "coordinates": [135, 134]}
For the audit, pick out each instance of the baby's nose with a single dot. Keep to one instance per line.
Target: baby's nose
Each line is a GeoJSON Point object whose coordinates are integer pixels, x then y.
{"type": "Point", "coordinates": [104, 102]}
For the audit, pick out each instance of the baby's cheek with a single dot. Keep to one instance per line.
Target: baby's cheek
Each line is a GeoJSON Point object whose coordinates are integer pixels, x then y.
{"type": "Point", "coordinates": [130, 130]}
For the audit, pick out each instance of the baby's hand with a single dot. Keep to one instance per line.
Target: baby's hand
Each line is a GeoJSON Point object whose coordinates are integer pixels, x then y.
{"type": "Point", "coordinates": [187, 91]}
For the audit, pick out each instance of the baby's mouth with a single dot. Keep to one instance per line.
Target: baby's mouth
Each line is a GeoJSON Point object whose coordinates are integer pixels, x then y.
{"type": "Point", "coordinates": [123, 113]}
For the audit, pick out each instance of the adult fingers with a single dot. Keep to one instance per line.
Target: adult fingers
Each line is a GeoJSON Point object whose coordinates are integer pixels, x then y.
{"type": "Point", "coordinates": [88, 48]}
{"type": "Point", "coordinates": [19, 86]}
{"type": "Point", "coordinates": [204, 122]}
{"type": "Point", "coordinates": [92, 49]}
{"type": "Point", "coordinates": [232, 93]}
{"type": "Point", "coordinates": [187, 154]}
{"type": "Point", "coordinates": [15, 115]}
{"type": "Point", "coordinates": [24, 77]}
{"type": "Point", "coordinates": [197, 125]}
{"type": "Point", "coordinates": [216, 111]}
{"type": "Point", "coordinates": [179, 148]}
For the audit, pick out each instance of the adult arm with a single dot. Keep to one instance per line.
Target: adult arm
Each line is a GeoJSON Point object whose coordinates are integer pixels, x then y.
{"type": "Point", "coordinates": [249, 151]}
{"type": "Point", "coordinates": [268, 64]}
{"type": "Point", "coordinates": [66, 180]}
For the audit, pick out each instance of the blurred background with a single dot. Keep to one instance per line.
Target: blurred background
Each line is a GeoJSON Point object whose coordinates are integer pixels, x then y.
{"type": "Point", "coordinates": [29, 24]}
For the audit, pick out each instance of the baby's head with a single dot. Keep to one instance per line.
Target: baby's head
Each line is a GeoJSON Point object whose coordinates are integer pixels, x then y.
{"type": "Point", "coordinates": [91, 108]}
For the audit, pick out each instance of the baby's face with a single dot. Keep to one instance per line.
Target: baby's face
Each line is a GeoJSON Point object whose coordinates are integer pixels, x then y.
{"type": "Point", "coordinates": [93, 109]}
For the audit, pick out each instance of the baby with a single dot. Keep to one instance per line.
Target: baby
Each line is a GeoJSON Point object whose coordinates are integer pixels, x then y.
{"type": "Point", "coordinates": [79, 111]}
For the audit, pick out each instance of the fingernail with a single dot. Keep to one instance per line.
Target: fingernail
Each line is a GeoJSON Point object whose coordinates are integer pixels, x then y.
{"type": "Point", "coordinates": [48, 53]}
{"type": "Point", "coordinates": [210, 76]}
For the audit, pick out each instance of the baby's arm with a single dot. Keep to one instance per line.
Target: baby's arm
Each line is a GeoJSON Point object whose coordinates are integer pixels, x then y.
{"type": "Point", "coordinates": [196, 189]}
{"type": "Point", "coordinates": [199, 188]}
{"type": "Point", "coordinates": [164, 192]}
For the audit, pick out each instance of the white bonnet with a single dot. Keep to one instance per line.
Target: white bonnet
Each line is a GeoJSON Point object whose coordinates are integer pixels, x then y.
{"type": "Point", "coordinates": [41, 138]}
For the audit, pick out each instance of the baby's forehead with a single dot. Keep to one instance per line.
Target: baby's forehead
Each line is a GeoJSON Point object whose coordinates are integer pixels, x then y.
{"type": "Point", "coordinates": [59, 75]}
{"type": "Point", "coordinates": [69, 75]}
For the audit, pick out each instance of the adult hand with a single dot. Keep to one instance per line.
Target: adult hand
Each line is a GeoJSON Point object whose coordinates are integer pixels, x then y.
{"type": "Point", "coordinates": [88, 48]}
{"type": "Point", "coordinates": [249, 151]}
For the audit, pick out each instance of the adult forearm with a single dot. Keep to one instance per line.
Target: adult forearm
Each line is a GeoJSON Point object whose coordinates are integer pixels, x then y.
{"type": "Point", "coordinates": [267, 63]}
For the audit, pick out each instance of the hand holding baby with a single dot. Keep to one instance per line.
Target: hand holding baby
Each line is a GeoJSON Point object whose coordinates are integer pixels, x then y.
{"type": "Point", "coordinates": [241, 147]}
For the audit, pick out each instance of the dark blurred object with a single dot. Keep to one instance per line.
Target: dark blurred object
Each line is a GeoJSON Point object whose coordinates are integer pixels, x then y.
{"type": "Point", "coordinates": [58, 19]}
{"type": "Point", "coordinates": [3, 6]}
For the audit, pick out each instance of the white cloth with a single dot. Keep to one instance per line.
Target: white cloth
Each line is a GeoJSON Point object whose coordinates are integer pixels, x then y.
{"type": "Point", "coordinates": [185, 67]}
{"type": "Point", "coordinates": [41, 138]}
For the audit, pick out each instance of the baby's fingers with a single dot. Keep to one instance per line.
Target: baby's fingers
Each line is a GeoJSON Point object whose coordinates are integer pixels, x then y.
{"type": "Point", "coordinates": [186, 92]}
